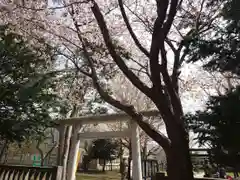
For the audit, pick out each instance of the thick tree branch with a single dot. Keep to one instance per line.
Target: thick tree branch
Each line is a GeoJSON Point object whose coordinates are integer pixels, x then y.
{"type": "Point", "coordinates": [178, 60]}
{"type": "Point", "coordinates": [171, 89]}
{"type": "Point", "coordinates": [160, 138]}
{"type": "Point", "coordinates": [157, 46]}
{"type": "Point", "coordinates": [176, 72]}
{"type": "Point", "coordinates": [157, 41]}
{"type": "Point", "coordinates": [117, 59]}
{"type": "Point", "coordinates": [133, 35]}
{"type": "Point", "coordinates": [172, 12]}
{"type": "Point", "coordinates": [170, 44]}
{"type": "Point", "coordinates": [175, 100]}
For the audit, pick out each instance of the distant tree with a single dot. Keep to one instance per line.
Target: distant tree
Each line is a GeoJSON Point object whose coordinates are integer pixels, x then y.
{"type": "Point", "coordinates": [88, 147]}
{"type": "Point", "coordinates": [45, 153]}
{"type": "Point", "coordinates": [27, 99]}
{"type": "Point", "coordinates": [105, 149]}
{"type": "Point", "coordinates": [218, 126]}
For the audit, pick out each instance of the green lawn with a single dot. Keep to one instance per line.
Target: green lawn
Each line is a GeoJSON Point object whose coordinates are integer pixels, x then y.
{"type": "Point", "coordinates": [230, 174]}
{"type": "Point", "coordinates": [111, 175]}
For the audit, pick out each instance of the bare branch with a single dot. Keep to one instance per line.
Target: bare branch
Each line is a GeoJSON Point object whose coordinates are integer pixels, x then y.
{"type": "Point", "coordinates": [118, 60]}
{"type": "Point", "coordinates": [146, 24]}
{"type": "Point", "coordinates": [199, 14]}
{"type": "Point", "coordinates": [157, 41]}
{"type": "Point", "coordinates": [175, 100]}
{"type": "Point", "coordinates": [172, 12]}
{"type": "Point", "coordinates": [133, 35]}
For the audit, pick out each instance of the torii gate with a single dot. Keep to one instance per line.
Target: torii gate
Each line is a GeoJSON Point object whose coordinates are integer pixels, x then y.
{"type": "Point", "coordinates": [77, 123]}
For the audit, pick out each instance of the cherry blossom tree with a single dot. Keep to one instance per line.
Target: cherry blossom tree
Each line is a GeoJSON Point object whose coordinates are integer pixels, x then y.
{"type": "Point", "coordinates": [125, 92]}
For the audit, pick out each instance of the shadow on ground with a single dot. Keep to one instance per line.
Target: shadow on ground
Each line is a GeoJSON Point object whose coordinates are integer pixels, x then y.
{"type": "Point", "coordinates": [98, 175]}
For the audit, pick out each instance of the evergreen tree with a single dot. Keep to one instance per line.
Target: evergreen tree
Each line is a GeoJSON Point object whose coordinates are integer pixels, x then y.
{"type": "Point", "coordinates": [218, 126]}
{"type": "Point", "coordinates": [105, 149]}
{"type": "Point", "coordinates": [27, 98]}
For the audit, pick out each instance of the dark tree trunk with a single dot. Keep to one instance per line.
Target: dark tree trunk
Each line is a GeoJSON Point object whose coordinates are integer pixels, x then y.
{"type": "Point", "coordinates": [104, 165]}
{"type": "Point", "coordinates": [111, 165]}
{"type": "Point", "coordinates": [179, 165]}
{"type": "Point", "coordinates": [3, 150]}
{"type": "Point", "coordinates": [86, 161]}
{"type": "Point", "coordinates": [129, 167]}
{"type": "Point", "coordinates": [235, 173]}
{"type": "Point", "coordinates": [40, 152]}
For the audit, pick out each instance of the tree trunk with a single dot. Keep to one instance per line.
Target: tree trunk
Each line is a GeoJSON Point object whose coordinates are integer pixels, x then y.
{"type": "Point", "coordinates": [129, 167]}
{"type": "Point", "coordinates": [86, 161]}
{"type": "Point", "coordinates": [121, 155]}
{"type": "Point", "coordinates": [104, 164]}
{"type": "Point", "coordinates": [6, 155]}
{"type": "Point", "coordinates": [129, 160]}
{"type": "Point", "coordinates": [21, 159]}
{"type": "Point", "coordinates": [235, 173]}
{"type": "Point", "coordinates": [111, 168]}
{"type": "Point", "coordinates": [3, 150]}
{"type": "Point", "coordinates": [47, 155]}
{"type": "Point", "coordinates": [40, 152]}
{"type": "Point", "coordinates": [179, 165]}
{"type": "Point", "coordinates": [144, 152]}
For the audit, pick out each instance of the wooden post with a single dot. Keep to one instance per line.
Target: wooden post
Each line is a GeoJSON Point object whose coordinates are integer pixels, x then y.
{"type": "Point", "coordinates": [67, 140]}
{"type": "Point", "coordinates": [59, 173]}
{"type": "Point", "coordinates": [61, 130]}
{"type": "Point", "coordinates": [136, 152]}
{"type": "Point", "coordinates": [73, 156]}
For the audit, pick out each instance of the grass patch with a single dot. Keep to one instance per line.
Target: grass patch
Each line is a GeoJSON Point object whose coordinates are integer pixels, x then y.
{"type": "Point", "coordinates": [230, 174]}
{"type": "Point", "coordinates": [111, 175]}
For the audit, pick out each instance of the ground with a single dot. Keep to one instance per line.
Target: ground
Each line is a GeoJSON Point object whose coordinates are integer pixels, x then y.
{"type": "Point", "coordinates": [110, 175]}
{"type": "Point", "coordinates": [113, 175]}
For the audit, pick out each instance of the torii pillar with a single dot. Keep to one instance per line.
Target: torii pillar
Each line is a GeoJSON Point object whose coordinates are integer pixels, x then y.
{"type": "Point", "coordinates": [136, 152]}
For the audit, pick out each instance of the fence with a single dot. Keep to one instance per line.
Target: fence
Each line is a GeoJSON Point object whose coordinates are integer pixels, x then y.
{"type": "Point", "coordinates": [32, 173]}
{"type": "Point", "coordinates": [161, 176]}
